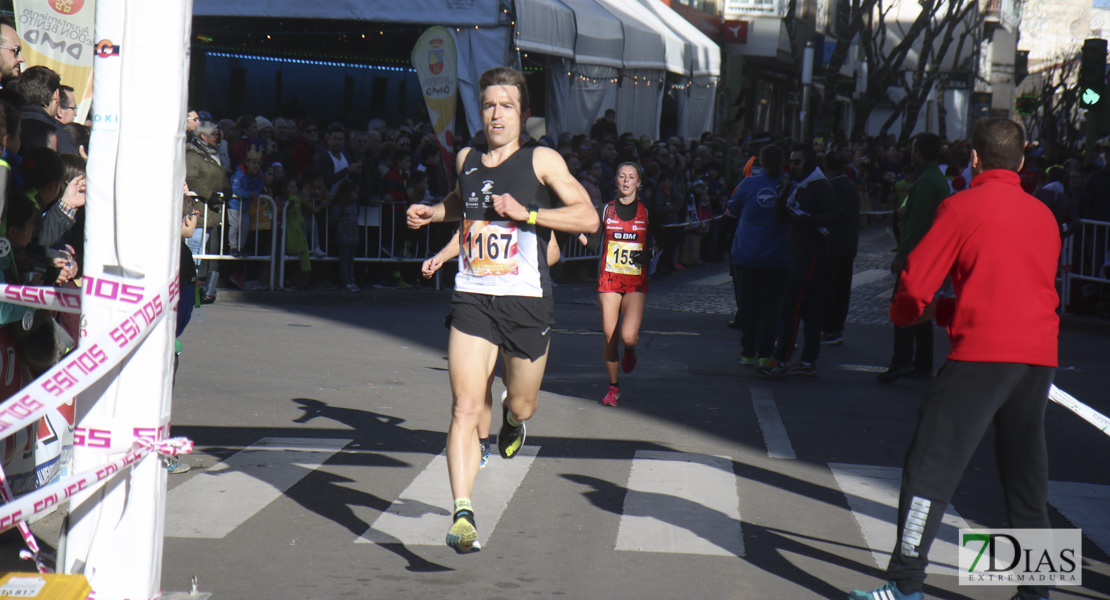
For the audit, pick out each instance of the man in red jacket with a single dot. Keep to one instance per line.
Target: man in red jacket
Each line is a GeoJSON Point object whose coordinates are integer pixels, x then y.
{"type": "Point", "coordinates": [1000, 246]}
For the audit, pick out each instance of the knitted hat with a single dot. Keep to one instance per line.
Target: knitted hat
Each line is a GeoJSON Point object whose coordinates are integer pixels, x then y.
{"type": "Point", "coordinates": [263, 123]}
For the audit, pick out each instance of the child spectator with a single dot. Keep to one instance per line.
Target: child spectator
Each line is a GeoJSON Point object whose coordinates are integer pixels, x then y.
{"type": "Point", "coordinates": [246, 184]}
{"type": "Point", "coordinates": [344, 217]}
{"type": "Point", "coordinates": [188, 299]}
{"type": "Point", "coordinates": [314, 200]}
{"type": "Point", "coordinates": [295, 242]}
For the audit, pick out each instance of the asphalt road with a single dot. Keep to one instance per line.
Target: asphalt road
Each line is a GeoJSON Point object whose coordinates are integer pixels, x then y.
{"type": "Point", "coordinates": [350, 394]}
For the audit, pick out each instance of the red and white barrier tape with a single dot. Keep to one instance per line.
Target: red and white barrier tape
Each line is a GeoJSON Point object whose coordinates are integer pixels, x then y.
{"type": "Point", "coordinates": [1085, 412]}
{"type": "Point", "coordinates": [42, 499]}
{"type": "Point", "coordinates": [47, 298]}
{"type": "Point", "coordinates": [81, 368]}
{"type": "Point", "coordinates": [72, 375]}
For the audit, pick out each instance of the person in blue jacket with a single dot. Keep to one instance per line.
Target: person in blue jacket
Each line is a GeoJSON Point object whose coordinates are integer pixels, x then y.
{"type": "Point", "coordinates": [760, 257]}
{"type": "Point", "coordinates": [246, 185]}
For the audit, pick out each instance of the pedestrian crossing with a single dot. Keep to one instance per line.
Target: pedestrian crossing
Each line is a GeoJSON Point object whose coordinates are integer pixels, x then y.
{"type": "Point", "coordinates": [674, 502]}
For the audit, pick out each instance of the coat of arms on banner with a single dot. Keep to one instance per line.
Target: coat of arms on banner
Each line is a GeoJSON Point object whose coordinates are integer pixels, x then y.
{"type": "Point", "coordinates": [435, 57]}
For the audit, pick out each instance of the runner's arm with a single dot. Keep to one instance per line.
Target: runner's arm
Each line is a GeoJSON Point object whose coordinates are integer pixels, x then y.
{"type": "Point", "coordinates": [576, 215]}
{"type": "Point", "coordinates": [451, 250]}
{"type": "Point", "coordinates": [450, 209]}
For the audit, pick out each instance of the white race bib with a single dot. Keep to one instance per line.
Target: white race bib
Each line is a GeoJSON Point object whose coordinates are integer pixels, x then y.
{"type": "Point", "coordinates": [490, 247]}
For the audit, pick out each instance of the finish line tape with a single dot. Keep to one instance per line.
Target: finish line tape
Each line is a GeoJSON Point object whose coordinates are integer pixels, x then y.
{"type": "Point", "coordinates": [1087, 413]}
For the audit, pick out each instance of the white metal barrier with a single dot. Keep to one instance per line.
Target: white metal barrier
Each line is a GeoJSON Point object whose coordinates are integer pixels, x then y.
{"type": "Point", "coordinates": [256, 216]}
{"type": "Point", "coordinates": [1085, 256]}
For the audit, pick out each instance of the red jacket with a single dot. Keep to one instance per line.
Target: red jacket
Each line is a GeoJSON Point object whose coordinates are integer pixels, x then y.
{"type": "Point", "coordinates": [1001, 247]}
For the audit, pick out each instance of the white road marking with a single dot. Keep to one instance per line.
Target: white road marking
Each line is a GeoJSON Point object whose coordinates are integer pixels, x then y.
{"type": "Point", "coordinates": [1084, 504]}
{"type": "Point", "coordinates": [863, 368]}
{"type": "Point", "coordinates": [421, 515]}
{"type": "Point", "coordinates": [775, 436]}
{"type": "Point", "coordinates": [642, 332]}
{"type": "Point", "coordinates": [681, 503]}
{"type": "Point", "coordinates": [720, 279]}
{"type": "Point", "coordinates": [872, 494]}
{"type": "Point", "coordinates": [213, 503]}
{"type": "Point", "coordinates": [869, 276]}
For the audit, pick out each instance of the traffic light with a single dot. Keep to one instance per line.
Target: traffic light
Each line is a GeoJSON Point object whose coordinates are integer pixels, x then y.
{"type": "Point", "coordinates": [1092, 73]}
{"type": "Point", "coordinates": [1026, 105]}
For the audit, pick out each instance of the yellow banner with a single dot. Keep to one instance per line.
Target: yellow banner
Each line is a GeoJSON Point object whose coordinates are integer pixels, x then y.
{"type": "Point", "coordinates": [434, 58]}
{"type": "Point", "coordinates": [59, 34]}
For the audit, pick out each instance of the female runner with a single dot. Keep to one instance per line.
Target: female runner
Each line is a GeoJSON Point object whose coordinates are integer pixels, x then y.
{"type": "Point", "coordinates": [622, 282]}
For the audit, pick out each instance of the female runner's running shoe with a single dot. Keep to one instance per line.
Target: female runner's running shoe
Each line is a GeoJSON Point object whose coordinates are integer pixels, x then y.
{"type": "Point", "coordinates": [612, 397]}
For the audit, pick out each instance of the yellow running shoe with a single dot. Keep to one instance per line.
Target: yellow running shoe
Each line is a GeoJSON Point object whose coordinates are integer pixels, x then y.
{"type": "Point", "coordinates": [462, 536]}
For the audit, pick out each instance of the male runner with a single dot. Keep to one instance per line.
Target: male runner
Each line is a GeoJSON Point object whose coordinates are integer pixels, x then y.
{"type": "Point", "coordinates": [506, 199]}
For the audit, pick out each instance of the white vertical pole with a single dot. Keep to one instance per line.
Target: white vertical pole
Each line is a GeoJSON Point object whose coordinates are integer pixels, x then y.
{"type": "Point", "coordinates": [136, 171]}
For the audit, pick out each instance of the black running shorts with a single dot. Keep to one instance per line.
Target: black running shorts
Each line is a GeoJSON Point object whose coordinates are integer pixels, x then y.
{"type": "Point", "coordinates": [519, 325]}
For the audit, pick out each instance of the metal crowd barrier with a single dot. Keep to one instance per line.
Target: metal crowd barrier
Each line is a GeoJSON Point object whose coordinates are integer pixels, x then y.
{"type": "Point", "coordinates": [1085, 257]}
{"type": "Point", "coordinates": [383, 237]}
{"type": "Point", "coordinates": [217, 234]}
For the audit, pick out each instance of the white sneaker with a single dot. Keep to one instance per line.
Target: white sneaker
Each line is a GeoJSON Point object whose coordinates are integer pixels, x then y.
{"type": "Point", "coordinates": [350, 287]}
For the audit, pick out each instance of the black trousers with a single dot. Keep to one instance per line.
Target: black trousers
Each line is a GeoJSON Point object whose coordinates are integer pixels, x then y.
{"type": "Point", "coordinates": [801, 305]}
{"type": "Point", "coordinates": [913, 345]}
{"type": "Point", "coordinates": [836, 292]}
{"type": "Point", "coordinates": [956, 412]}
{"type": "Point", "coordinates": [758, 293]}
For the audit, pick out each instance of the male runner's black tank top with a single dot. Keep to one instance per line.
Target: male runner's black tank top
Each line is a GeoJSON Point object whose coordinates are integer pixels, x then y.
{"type": "Point", "coordinates": [499, 256]}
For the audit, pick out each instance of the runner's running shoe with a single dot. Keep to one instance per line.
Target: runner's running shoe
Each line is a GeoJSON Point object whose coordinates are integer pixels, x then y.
{"type": "Point", "coordinates": [463, 536]}
{"type": "Point", "coordinates": [612, 397]}
{"type": "Point", "coordinates": [629, 361]}
{"type": "Point", "coordinates": [175, 467]}
{"type": "Point", "coordinates": [831, 339]}
{"type": "Point", "coordinates": [510, 439]}
{"type": "Point", "coordinates": [485, 453]}
{"type": "Point", "coordinates": [887, 592]}
{"type": "Point", "coordinates": [773, 368]}
{"type": "Point", "coordinates": [748, 361]}
{"type": "Point", "coordinates": [803, 368]}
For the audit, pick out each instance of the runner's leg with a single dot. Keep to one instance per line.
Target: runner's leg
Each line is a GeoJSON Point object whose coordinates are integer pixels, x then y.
{"type": "Point", "coordinates": [610, 303]}
{"type": "Point", "coordinates": [486, 417]}
{"type": "Point", "coordinates": [522, 380]}
{"type": "Point", "coordinates": [470, 362]}
{"type": "Point", "coordinates": [632, 314]}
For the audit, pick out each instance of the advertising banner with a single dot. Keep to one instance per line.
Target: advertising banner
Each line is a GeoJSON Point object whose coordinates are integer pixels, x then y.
{"type": "Point", "coordinates": [435, 61]}
{"type": "Point", "coordinates": [59, 34]}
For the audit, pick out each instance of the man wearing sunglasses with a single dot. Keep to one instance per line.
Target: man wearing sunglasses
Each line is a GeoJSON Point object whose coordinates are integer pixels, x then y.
{"type": "Point", "coordinates": [11, 51]}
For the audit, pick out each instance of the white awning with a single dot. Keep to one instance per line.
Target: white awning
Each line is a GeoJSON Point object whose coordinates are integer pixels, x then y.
{"type": "Point", "coordinates": [600, 39]}
{"type": "Point", "coordinates": [705, 53]}
{"type": "Point", "coordinates": [648, 43]}
{"type": "Point", "coordinates": [442, 12]}
{"type": "Point", "coordinates": [545, 26]}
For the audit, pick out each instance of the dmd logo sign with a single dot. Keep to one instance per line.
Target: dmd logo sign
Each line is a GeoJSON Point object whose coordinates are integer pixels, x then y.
{"type": "Point", "coordinates": [1021, 557]}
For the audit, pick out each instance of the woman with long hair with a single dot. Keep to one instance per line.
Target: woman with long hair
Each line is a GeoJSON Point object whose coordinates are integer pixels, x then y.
{"type": "Point", "coordinates": [622, 282]}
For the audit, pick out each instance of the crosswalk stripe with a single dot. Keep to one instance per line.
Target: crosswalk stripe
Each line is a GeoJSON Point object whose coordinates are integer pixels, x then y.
{"type": "Point", "coordinates": [775, 436]}
{"type": "Point", "coordinates": [869, 276]}
{"type": "Point", "coordinates": [1084, 504]}
{"type": "Point", "coordinates": [213, 503]}
{"type": "Point", "coordinates": [719, 279]}
{"type": "Point", "coordinates": [872, 494]}
{"type": "Point", "coordinates": [681, 503]}
{"type": "Point", "coordinates": [421, 515]}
